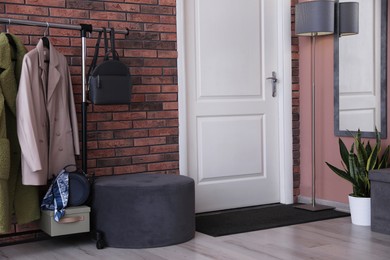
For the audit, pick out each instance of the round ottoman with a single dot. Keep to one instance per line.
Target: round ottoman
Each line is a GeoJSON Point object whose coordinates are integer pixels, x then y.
{"type": "Point", "coordinates": [143, 210]}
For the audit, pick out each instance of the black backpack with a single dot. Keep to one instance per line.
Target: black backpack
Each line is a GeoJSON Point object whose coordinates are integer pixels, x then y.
{"type": "Point", "coordinates": [109, 81]}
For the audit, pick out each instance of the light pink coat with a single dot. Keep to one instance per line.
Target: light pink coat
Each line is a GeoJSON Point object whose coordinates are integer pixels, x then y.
{"type": "Point", "coordinates": [46, 116]}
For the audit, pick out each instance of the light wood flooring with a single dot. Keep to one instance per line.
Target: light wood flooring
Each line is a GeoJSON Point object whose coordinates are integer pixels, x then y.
{"type": "Point", "coordinates": [329, 239]}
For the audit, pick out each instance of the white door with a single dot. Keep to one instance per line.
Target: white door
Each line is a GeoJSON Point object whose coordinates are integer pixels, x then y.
{"type": "Point", "coordinates": [232, 119]}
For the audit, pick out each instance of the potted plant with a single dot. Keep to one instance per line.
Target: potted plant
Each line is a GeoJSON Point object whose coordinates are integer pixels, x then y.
{"type": "Point", "coordinates": [357, 162]}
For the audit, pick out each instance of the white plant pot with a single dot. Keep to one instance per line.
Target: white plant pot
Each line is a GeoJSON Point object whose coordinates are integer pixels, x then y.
{"type": "Point", "coordinates": [360, 209]}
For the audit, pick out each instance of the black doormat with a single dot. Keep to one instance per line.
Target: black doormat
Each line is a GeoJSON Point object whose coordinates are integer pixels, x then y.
{"type": "Point", "coordinates": [256, 218]}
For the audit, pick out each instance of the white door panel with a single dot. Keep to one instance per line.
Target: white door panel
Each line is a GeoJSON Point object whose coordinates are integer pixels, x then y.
{"type": "Point", "coordinates": [228, 47]}
{"type": "Point", "coordinates": [221, 153]}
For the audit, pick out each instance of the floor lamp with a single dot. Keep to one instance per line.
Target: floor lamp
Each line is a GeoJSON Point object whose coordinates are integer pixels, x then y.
{"type": "Point", "coordinates": [313, 19]}
{"type": "Point", "coordinates": [316, 18]}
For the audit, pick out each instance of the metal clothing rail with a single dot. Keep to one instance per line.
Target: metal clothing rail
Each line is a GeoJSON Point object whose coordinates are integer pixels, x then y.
{"type": "Point", "coordinates": [83, 28]}
{"type": "Point", "coordinates": [55, 25]}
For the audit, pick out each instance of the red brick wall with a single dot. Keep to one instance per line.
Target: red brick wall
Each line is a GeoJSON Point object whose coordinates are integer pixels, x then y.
{"type": "Point", "coordinates": [143, 136]}
{"type": "Point", "coordinates": [295, 102]}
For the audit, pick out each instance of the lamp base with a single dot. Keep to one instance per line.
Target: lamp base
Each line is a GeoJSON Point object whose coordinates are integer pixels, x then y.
{"type": "Point", "coordinates": [316, 207]}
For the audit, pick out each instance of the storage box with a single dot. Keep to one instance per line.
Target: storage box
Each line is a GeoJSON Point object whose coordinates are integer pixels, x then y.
{"type": "Point", "coordinates": [380, 202]}
{"type": "Point", "coordinates": [76, 220]}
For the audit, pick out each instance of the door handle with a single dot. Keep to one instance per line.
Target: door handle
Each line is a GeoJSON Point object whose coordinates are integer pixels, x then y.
{"type": "Point", "coordinates": [274, 80]}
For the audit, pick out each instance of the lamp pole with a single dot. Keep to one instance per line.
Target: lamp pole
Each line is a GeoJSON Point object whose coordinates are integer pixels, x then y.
{"type": "Point", "coordinates": [313, 119]}
{"type": "Point", "coordinates": [313, 206]}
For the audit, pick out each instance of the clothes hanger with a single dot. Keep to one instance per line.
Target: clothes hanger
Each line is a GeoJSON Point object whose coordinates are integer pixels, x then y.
{"type": "Point", "coordinates": [7, 25]}
{"type": "Point", "coordinates": [10, 39]}
{"type": "Point", "coordinates": [45, 40]}
{"type": "Point", "coordinates": [46, 43]}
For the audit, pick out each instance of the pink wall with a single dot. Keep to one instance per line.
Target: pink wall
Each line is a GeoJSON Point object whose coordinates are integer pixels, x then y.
{"type": "Point", "coordinates": [329, 186]}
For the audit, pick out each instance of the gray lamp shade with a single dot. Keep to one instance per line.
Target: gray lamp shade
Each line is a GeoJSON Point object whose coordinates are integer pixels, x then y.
{"type": "Point", "coordinates": [348, 18]}
{"type": "Point", "coordinates": [314, 18]}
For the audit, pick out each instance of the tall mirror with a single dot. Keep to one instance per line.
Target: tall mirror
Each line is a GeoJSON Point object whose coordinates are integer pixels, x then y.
{"type": "Point", "coordinates": [360, 73]}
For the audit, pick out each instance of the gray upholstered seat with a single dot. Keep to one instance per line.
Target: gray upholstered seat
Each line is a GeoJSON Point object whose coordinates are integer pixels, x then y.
{"type": "Point", "coordinates": [144, 210]}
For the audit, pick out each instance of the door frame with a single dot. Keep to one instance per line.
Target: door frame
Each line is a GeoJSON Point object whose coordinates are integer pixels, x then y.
{"type": "Point", "coordinates": [284, 95]}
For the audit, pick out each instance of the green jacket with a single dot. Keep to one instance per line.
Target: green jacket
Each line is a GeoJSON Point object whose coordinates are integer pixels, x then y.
{"type": "Point", "coordinates": [15, 198]}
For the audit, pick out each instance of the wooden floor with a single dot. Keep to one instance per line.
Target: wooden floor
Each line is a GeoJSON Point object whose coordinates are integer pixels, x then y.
{"type": "Point", "coordinates": [329, 239]}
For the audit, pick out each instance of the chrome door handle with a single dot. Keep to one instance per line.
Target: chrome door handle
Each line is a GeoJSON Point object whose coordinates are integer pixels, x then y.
{"type": "Point", "coordinates": [274, 80]}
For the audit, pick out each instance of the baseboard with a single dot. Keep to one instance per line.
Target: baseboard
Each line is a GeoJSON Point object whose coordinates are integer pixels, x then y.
{"type": "Point", "coordinates": [338, 205]}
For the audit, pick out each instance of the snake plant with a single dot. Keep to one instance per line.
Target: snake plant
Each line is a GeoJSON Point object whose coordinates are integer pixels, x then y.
{"type": "Point", "coordinates": [358, 161]}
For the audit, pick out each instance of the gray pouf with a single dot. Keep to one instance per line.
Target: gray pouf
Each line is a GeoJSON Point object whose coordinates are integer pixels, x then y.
{"type": "Point", "coordinates": [144, 210]}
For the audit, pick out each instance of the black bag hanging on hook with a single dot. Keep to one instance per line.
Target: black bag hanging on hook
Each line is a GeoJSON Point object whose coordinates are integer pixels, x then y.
{"type": "Point", "coordinates": [109, 81]}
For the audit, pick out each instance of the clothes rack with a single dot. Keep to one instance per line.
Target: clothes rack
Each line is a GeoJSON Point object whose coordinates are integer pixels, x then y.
{"type": "Point", "coordinates": [84, 29]}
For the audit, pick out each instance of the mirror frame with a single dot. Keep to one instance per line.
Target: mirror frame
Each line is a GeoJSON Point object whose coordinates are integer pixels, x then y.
{"type": "Point", "coordinates": [383, 72]}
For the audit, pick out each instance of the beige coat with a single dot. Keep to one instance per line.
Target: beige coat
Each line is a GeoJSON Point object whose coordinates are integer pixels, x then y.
{"type": "Point", "coordinates": [46, 116]}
